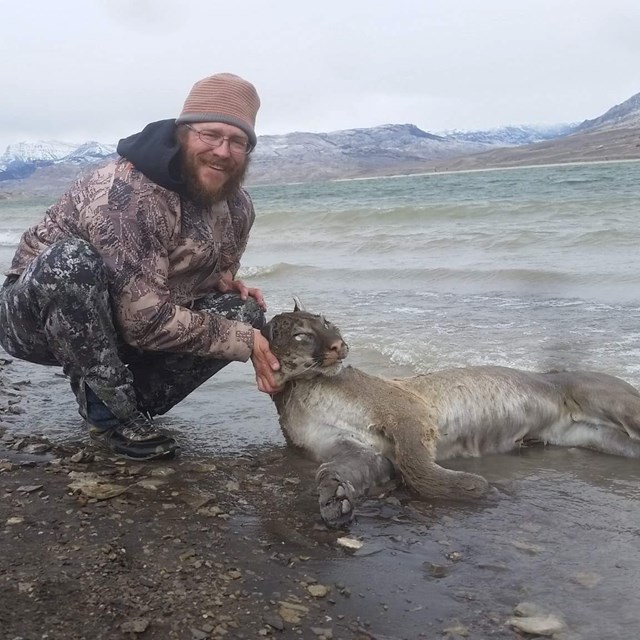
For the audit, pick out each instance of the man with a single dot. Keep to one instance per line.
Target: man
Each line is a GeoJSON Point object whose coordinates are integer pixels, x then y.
{"type": "Point", "coordinates": [129, 281]}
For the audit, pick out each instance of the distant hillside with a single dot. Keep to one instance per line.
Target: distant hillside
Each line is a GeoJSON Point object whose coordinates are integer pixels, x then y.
{"type": "Point", "coordinates": [44, 166]}
{"type": "Point", "coordinates": [589, 146]}
{"type": "Point", "coordinates": [613, 136]}
{"type": "Point", "coordinates": [622, 116]}
{"type": "Point", "coordinates": [303, 157]}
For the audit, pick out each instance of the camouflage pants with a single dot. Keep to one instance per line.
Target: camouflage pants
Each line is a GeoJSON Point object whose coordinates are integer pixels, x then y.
{"type": "Point", "coordinates": [58, 312]}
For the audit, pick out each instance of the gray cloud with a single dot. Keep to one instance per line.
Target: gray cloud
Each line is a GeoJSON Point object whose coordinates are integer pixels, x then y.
{"type": "Point", "coordinates": [100, 70]}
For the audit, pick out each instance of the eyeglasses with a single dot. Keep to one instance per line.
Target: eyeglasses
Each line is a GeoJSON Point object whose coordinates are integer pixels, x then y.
{"type": "Point", "coordinates": [237, 144]}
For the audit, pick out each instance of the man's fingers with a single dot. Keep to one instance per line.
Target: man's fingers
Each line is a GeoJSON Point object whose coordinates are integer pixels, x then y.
{"type": "Point", "coordinates": [273, 362]}
{"type": "Point", "coordinates": [264, 363]}
{"type": "Point", "coordinates": [256, 294]}
{"type": "Point", "coordinates": [265, 384]}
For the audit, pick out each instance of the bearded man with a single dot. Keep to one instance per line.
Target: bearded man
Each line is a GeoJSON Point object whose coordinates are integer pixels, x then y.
{"type": "Point", "coordinates": [128, 282]}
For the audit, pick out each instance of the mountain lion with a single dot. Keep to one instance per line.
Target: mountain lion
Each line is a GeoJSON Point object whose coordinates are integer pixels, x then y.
{"type": "Point", "coordinates": [364, 428]}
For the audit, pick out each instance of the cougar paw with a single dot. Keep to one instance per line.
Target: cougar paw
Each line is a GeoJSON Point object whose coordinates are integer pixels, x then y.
{"type": "Point", "coordinates": [337, 502]}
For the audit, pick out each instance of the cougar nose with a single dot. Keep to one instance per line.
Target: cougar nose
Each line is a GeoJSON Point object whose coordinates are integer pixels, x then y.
{"type": "Point", "coordinates": [340, 348]}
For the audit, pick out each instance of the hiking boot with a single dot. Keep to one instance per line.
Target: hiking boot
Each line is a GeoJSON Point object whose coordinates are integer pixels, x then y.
{"type": "Point", "coordinates": [136, 438]}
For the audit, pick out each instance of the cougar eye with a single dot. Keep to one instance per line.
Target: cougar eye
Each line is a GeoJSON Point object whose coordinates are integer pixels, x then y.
{"type": "Point", "coordinates": [299, 337]}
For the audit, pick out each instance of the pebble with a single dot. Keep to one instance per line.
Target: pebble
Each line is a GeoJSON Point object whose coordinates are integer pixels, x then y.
{"type": "Point", "coordinates": [533, 619]}
{"type": "Point", "coordinates": [37, 448]}
{"type": "Point", "coordinates": [538, 625]}
{"type": "Point", "coordinates": [289, 615]}
{"type": "Point", "coordinates": [151, 483]}
{"type": "Point", "coordinates": [457, 629]}
{"type": "Point", "coordinates": [292, 612]}
{"type": "Point", "coordinates": [273, 620]}
{"type": "Point", "coordinates": [436, 570]}
{"type": "Point", "coordinates": [82, 456]}
{"type": "Point", "coordinates": [138, 625]}
{"type": "Point", "coordinates": [527, 547]}
{"type": "Point", "coordinates": [588, 579]}
{"type": "Point", "coordinates": [350, 543]}
{"type": "Point", "coordinates": [30, 488]}
{"type": "Point", "coordinates": [162, 472]}
{"type": "Point", "coordinates": [318, 590]}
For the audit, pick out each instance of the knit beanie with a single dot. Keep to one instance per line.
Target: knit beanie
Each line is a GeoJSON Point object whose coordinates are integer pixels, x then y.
{"type": "Point", "coordinates": [223, 97]}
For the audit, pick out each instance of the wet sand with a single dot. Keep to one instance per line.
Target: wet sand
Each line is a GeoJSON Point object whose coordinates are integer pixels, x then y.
{"type": "Point", "coordinates": [212, 545]}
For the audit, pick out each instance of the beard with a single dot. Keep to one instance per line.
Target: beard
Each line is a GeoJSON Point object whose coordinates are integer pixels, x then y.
{"type": "Point", "coordinates": [204, 194]}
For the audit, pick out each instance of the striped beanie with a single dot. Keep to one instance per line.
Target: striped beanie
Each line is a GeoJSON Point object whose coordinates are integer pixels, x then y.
{"type": "Point", "coordinates": [223, 97]}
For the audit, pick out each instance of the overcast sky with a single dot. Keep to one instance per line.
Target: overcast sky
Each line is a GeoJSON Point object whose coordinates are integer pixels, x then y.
{"type": "Point", "coordinates": [77, 70]}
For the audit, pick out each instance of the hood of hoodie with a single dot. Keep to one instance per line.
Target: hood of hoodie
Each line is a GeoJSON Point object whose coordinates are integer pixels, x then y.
{"type": "Point", "coordinates": [155, 152]}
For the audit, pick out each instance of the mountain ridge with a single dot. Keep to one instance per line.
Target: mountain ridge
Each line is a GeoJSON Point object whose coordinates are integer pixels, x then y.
{"type": "Point", "coordinates": [387, 149]}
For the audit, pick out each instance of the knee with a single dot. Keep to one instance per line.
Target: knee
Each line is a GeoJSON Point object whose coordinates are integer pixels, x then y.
{"type": "Point", "coordinates": [251, 313]}
{"type": "Point", "coordinates": [233, 307]}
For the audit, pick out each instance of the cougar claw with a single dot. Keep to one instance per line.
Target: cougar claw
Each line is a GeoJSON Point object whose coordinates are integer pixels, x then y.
{"type": "Point", "coordinates": [336, 500]}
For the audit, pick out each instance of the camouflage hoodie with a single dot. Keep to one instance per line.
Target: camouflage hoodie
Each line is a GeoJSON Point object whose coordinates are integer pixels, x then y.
{"type": "Point", "coordinates": [161, 250]}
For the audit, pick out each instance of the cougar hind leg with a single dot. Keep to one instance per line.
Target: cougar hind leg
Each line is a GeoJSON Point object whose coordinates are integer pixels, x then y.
{"type": "Point", "coordinates": [415, 459]}
{"type": "Point", "coordinates": [351, 472]}
{"type": "Point", "coordinates": [601, 399]}
{"type": "Point", "coordinates": [602, 437]}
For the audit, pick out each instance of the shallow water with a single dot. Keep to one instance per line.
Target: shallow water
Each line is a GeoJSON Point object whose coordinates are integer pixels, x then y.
{"type": "Point", "coordinates": [533, 268]}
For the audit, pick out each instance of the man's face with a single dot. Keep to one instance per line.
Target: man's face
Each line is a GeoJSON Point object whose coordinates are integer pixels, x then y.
{"type": "Point", "coordinates": [212, 174]}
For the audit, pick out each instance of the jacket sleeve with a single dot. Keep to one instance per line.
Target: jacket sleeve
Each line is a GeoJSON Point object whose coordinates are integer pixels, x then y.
{"type": "Point", "coordinates": [133, 233]}
{"type": "Point", "coordinates": [242, 216]}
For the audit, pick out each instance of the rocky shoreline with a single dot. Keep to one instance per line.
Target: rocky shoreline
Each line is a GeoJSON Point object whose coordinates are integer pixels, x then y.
{"type": "Point", "coordinates": [233, 547]}
{"type": "Point", "coordinates": [95, 547]}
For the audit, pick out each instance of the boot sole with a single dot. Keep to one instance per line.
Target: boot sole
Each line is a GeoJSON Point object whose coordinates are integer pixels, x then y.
{"type": "Point", "coordinates": [132, 455]}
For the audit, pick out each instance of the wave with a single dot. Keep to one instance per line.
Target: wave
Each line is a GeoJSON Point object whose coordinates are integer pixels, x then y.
{"type": "Point", "coordinates": [513, 276]}
{"type": "Point", "coordinates": [10, 238]}
{"type": "Point", "coordinates": [394, 212]}
{"type": "Point", "coordinates": [605, 238]}
{"type": "Point", "coordinates": [278, 269]}
{"type": "Point", "coordinates": [489, 278]}
{"type": "Point", "coordinates": [578, 181]}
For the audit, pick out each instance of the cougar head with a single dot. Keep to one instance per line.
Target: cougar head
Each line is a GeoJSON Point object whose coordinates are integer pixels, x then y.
{"type": "Point", "coordinates": [307, 345]}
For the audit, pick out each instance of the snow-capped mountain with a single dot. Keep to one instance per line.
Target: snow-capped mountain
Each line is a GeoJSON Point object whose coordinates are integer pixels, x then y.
{"type": "Point", "coordinates": [511, 136]}
{"type": "Point", "coordinates": [304, 156]}
{"type": "Point", "coordinates": [40, 151]}
{"type": "Point", "coordinates": [22, 159]}
{"type": "Point", "coordinates": [90, 152]}
{"type": "Point", "coordinates": [404, 140]}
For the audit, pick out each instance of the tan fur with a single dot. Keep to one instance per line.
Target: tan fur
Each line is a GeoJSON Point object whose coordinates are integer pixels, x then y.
{"type": "Point", "coordinates": [362, 427]}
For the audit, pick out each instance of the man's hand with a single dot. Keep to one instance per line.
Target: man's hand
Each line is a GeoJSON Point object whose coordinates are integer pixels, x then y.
{"type": "Point", "coordinates": [265, 363]}
{"type": "Point", "coordinates": [227, 284]}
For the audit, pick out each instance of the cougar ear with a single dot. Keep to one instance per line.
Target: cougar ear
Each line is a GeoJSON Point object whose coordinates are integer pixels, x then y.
{"type": "Point", "coordinates": [298, 306]}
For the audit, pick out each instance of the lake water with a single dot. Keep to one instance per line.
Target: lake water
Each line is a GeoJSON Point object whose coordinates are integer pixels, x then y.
{"type": "Point", "coordinates": [535, 268]}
